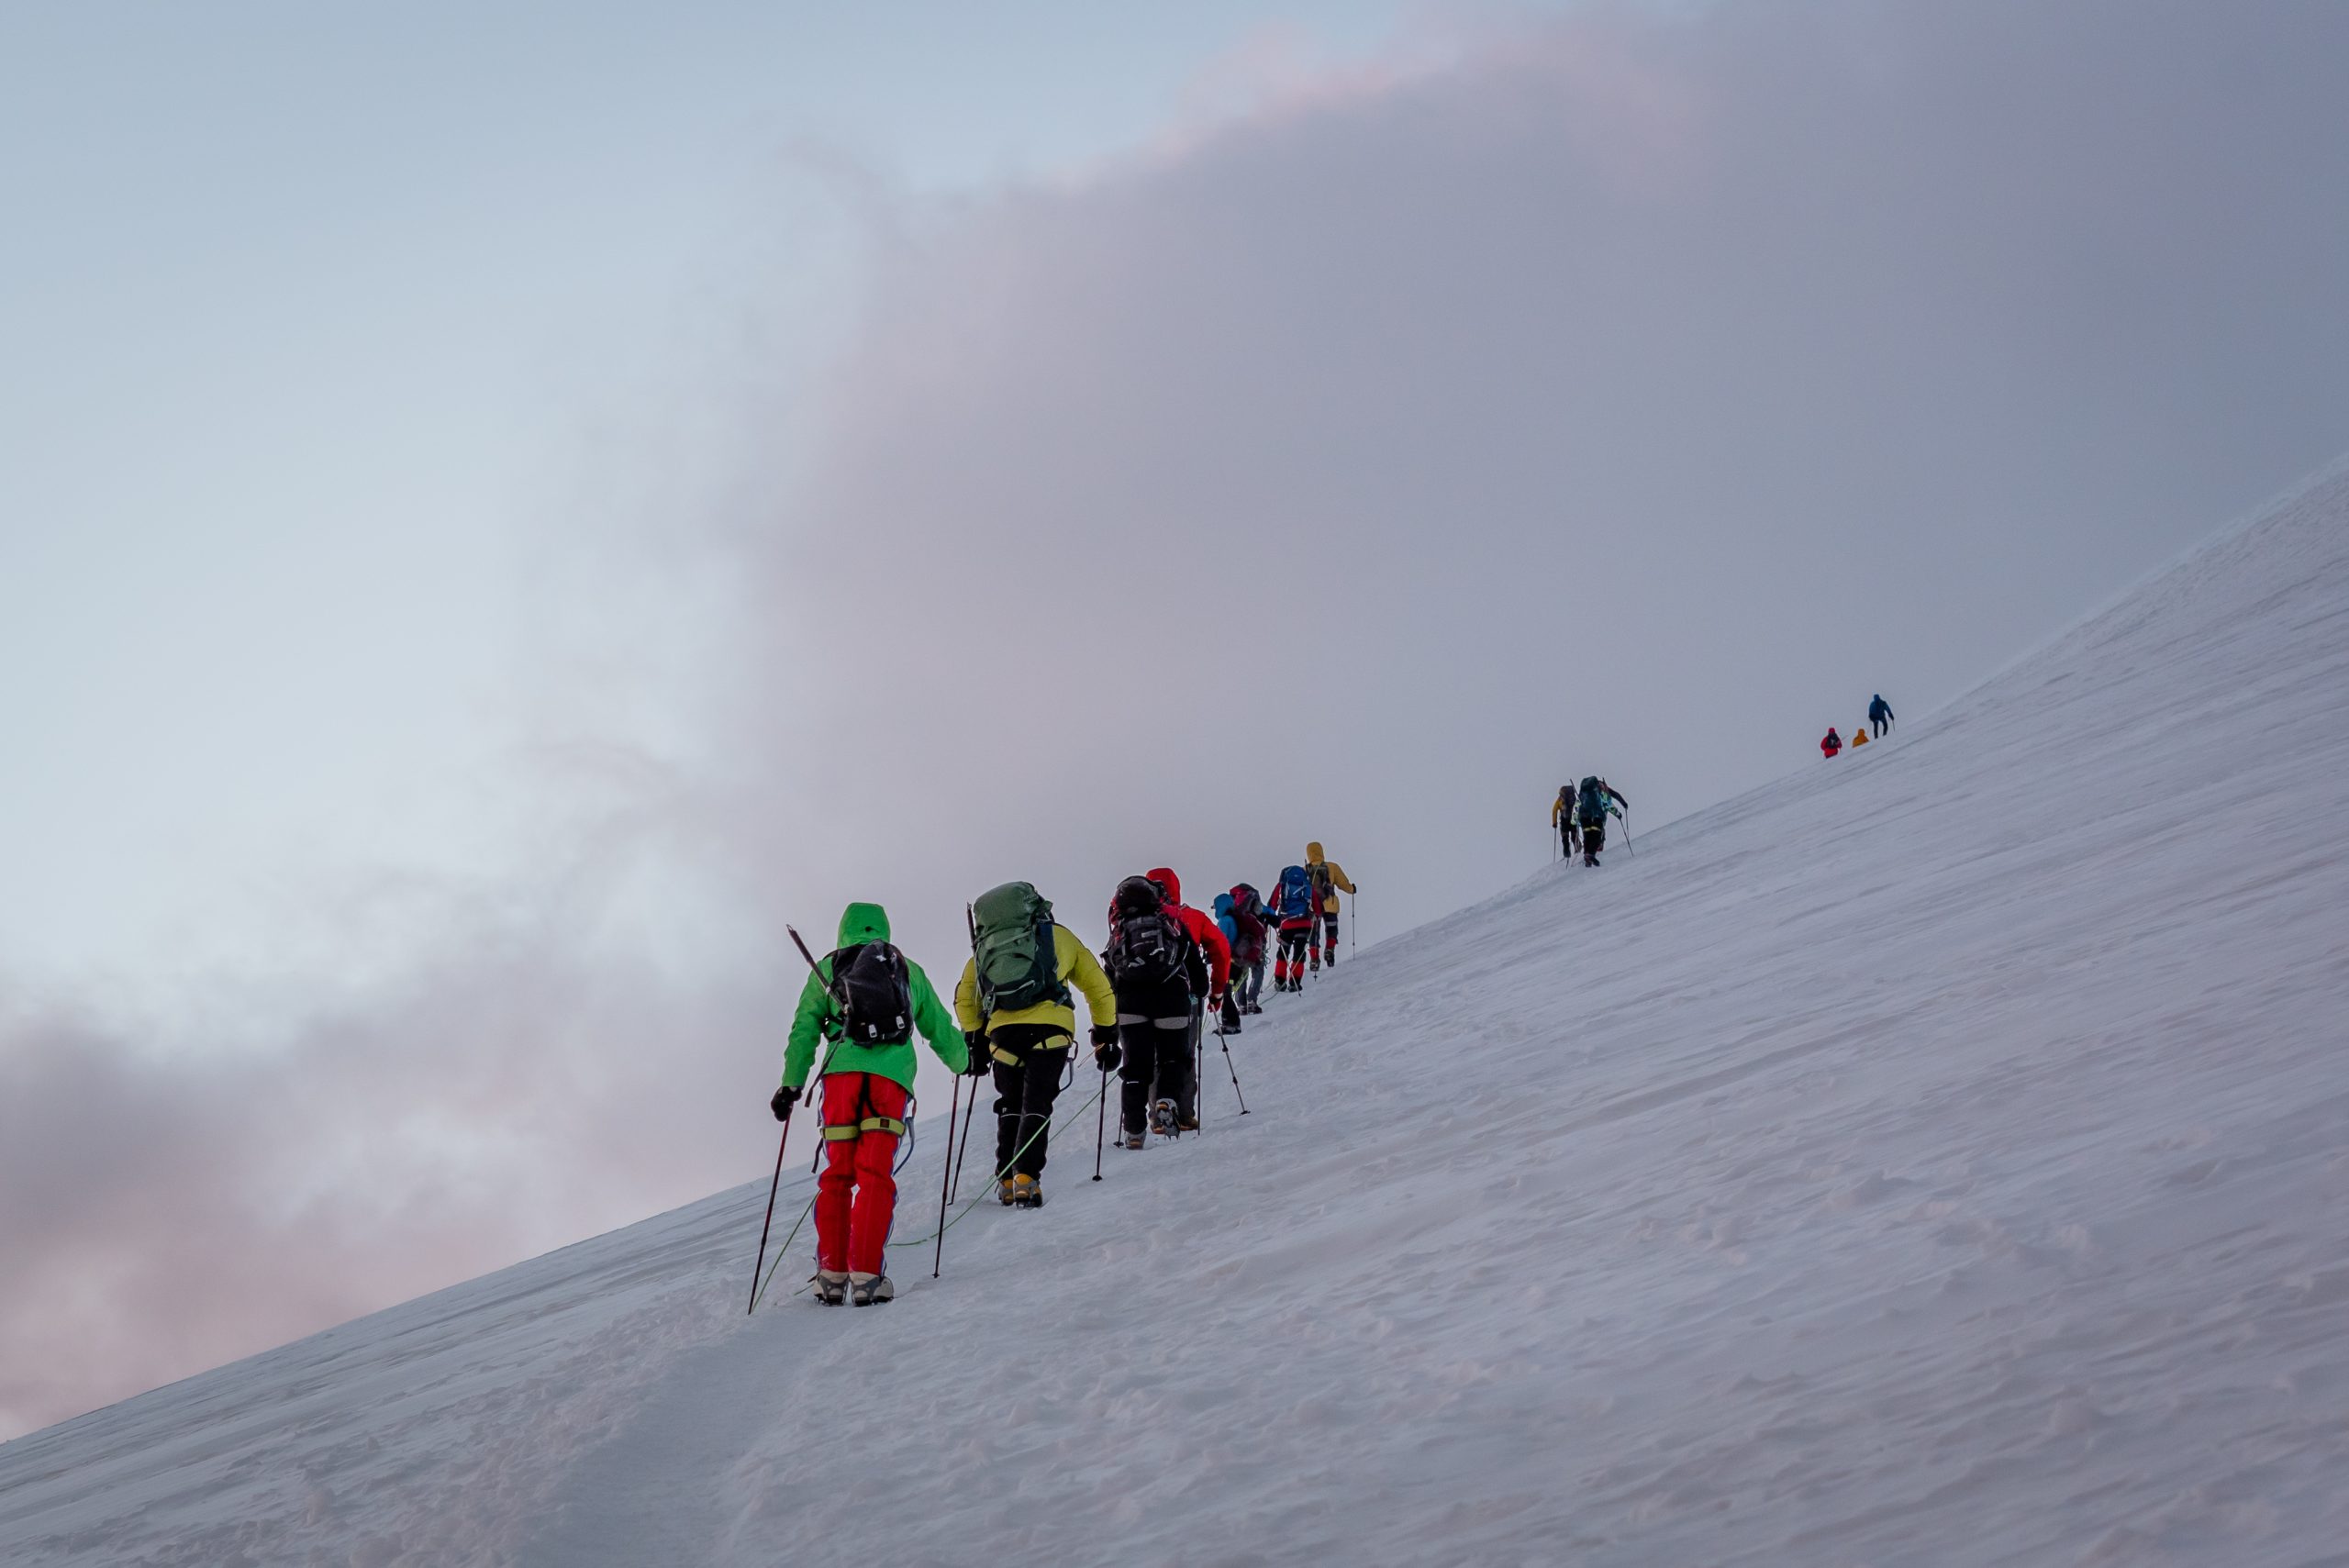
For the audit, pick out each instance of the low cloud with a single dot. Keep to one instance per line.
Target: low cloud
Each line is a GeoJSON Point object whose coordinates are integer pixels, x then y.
{"type": "Point", "coordinates": [1637, 392]}
{"type": "Point", "coordinates": [516, 1084]}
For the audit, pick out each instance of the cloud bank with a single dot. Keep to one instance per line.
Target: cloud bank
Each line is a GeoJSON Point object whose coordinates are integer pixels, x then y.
{"type": "Point", "coordinates": [1632, 393]}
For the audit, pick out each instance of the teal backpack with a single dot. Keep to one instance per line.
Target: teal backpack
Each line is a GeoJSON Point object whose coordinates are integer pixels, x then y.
{"type": "Point", "coordinates": [1011, 945]}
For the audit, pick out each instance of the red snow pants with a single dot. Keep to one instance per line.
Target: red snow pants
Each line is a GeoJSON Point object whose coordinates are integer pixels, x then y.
{"type": "Point", "coordinates": [863, 1115]}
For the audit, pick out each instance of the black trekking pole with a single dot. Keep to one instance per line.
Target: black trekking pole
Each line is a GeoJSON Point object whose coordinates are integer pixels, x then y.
{"type": "Point", "coordinates": [1199, 1065]}
{"type": "Point", "coordinates": [945, 1175]}
{"type": "Point", "coordinates": [759, 1267]}
{"type": "Point", "coordinates": [1627, 832]}
{"type": "Point", "coordinates": [1101, 1124]}
{"type": "Point", "coordinates": [1225, 1041]}
{"type": "Point", "coordinates": [964, 1152]}
{"type": "Point", "coordinates": [955, 1188]}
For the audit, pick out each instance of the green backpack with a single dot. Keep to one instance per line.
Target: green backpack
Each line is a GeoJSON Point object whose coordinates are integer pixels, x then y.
{"type": "Point", "coordinates": [1011, 942]}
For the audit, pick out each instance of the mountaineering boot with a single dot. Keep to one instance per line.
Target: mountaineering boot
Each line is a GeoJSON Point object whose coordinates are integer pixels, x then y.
{"type": "Point", "coordinates": [831, 1288]}
{"type": "Point", "coordinates": [1006, 1191]}
{"type": "Point", "coordinates": [1027, 1192]}
{"type": "Point", "coordinates": [1162, 1119]}
{"type": "Point", "coordinates": [1330, 955]}
{"type": "Point", "coordinates": [1187, 1123]}
{"type": "Point", "coordinates": [1131, 1141]}
{"type": "Point", "coordinates": [870, 1290]}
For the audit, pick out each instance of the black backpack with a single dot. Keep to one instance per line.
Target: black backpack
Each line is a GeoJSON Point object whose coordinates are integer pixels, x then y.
{"type": "Point", "coordinates": [875, 995]}
{"type": "Point", "coordinates": [1148, 946]}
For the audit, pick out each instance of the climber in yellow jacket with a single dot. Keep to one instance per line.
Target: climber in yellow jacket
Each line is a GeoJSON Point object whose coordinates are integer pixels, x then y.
{"type": "Point", "coordinates": [1020, 1018]}
{"type": "Point", "coordinates": [1859, 736]}
{"type": "Point", "coordinates": [1562, 821]}
{"type": "Point", "coordinates": [1328, 879]}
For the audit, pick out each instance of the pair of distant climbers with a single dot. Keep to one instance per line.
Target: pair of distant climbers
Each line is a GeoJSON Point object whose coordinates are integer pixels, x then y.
{"type": "Point", "coordinates": [1305, 908]}
{"type": "Point", "coordinates": [1879, 719]}
{"type": "Point", "coordinates": [1580, 813]}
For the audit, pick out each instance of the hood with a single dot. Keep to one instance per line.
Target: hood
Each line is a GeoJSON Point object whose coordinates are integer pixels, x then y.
{"type": "Point", "coordinates": [1170, 882]}
{"type": "Point", "coordinates": [1223, 903]}
{"type": "Point", "coordinates": [1313, 855]}
{"type": "Point", "coordinates": [864, 923]}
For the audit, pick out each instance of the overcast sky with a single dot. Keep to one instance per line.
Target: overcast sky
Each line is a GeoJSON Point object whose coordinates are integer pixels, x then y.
{"type": "Point", "coordinates": [497, 515]}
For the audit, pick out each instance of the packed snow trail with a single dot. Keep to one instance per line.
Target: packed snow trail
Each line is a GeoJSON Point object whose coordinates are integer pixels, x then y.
{"type": "Point", "coordinates": [1939, 1157]}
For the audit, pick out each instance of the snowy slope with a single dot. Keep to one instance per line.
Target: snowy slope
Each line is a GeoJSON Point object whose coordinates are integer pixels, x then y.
{"type": "Point", "coordinates": [1939, 1157]}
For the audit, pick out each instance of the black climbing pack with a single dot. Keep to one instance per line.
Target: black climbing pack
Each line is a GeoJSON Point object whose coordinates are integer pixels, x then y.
{"type": "Point", "coordinates": [875, 995]}
{"type": "Point", "coordinates": [1148, 946]}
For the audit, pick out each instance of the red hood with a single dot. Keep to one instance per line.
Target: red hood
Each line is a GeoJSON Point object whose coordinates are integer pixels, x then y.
{"type": "Point", "coordinates": [1170, 882]}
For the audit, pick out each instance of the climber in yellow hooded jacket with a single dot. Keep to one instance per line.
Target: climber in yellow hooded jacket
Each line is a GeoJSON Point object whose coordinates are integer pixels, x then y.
{"type": "Point", "coordinates": [1329, 880]}
{"type": "Point", "coordinates": [1017, 1014]}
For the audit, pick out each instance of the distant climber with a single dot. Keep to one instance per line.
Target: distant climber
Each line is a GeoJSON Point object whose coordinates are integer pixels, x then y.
{"type": "Point", "coordinates": [1240, 914]}
{"type": "Point", "coordinates": [866, 999]}
{"type": "Point", "coordinates": [1832, 744]}
{"type": "Point", "coordinates": [1294, 914]}
{"type": "Point", "coordinates": [1594, 802]}
{"type": "Point", "coordinates": [1210, 978]}
{"type": "Point", "coordinates": [1328, 881]}
{"type": "Point", "coordinates": [1879, 712]}
{"type": "Point", "coordinates": [1859, 736]}
{"type": "Point", "coordinates": [1562, 818]}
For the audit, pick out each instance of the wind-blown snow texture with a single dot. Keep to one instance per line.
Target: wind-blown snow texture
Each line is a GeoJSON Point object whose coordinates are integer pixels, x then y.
{"type": "Point", "coordinates": [1938, 1157]}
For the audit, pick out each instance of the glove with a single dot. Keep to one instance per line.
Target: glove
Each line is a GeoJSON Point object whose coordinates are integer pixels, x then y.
{"type": "Point", "coordinates": [1107, 1057]}
{"type": "Point", "coordinates": [1104, 1034]}
{"type": "Point", "coordinates": [784, 1098]}
{"type": "Point", "coordinates": [982, 1060]}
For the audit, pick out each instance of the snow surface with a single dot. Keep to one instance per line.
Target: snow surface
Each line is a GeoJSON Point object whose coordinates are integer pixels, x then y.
{"type": "Point", "coordinates": [1939, 1156]}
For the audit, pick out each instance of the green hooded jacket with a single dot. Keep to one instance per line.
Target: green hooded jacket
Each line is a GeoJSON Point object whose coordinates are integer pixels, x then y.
{"type": "Point", "coordinates": [818, 1020]}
